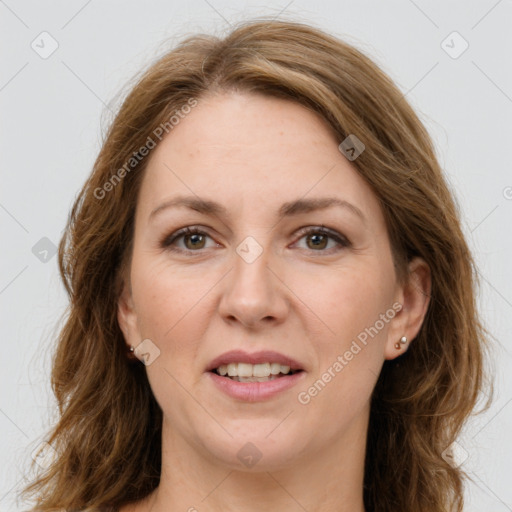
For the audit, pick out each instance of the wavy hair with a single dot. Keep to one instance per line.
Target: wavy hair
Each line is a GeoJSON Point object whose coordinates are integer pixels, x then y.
{"type": "Point", "coordinates": [108, 452]}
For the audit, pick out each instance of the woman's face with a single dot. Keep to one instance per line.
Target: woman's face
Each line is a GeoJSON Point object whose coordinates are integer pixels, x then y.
{"type": "Point", "coordinates": [256, 280]}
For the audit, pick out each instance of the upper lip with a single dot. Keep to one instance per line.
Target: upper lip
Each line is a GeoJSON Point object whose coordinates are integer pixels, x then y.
{"type": "Point", "coordinates": [264, 356]}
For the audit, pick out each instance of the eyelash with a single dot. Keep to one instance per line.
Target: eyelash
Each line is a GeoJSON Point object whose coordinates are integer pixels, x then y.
{"type": "Point", "coordinates": [167, 242]}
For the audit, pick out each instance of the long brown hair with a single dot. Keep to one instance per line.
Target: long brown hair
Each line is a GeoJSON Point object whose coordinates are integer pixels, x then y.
{"type": "Point", "coordinates": [108, 451]}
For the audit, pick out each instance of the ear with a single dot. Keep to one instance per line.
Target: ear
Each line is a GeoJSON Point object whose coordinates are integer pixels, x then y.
{"type": "Point", "coordinates": [127, 316]}
{"type": "Point", "coordinates": [414, 296]}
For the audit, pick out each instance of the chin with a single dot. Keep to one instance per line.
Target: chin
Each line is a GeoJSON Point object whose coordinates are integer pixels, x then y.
{"type": "Point", "coordinates": [252, 448]}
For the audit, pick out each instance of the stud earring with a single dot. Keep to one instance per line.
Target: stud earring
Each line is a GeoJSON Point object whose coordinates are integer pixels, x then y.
{"type": "Point", "coordinates": [131, 349]}
{"type": "Point", "coordinates": [403, 341]}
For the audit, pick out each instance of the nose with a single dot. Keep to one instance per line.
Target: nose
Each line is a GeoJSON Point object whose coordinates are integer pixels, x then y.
{"type": "Point", "coordinates": [254, 293]}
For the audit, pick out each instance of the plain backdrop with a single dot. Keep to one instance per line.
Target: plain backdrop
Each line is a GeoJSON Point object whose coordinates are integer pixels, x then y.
{"type": "Point", "coordinates": [54, 110]}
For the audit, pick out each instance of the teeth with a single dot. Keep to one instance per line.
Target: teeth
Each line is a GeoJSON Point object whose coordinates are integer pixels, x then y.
{"type": "Point", "coordinates": [261, 370]}
{"type": "Point", "coordinates": [254, 379]}
{"type": "Point", "coordinates": [246, 370]}
{"type": "Point", "coordinates": [275, 368]}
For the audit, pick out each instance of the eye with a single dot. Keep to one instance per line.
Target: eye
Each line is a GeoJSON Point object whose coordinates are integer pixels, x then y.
{"type": "Point", "coordinates": [317, 238]}
{"type": "Point", "coordinates": [193, 238]}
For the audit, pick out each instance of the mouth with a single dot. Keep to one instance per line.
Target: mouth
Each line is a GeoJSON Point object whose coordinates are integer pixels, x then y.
{"type": "Point", "coordinates": [254, 377]}
{"type": "Point", "coordinates": [262, 372]}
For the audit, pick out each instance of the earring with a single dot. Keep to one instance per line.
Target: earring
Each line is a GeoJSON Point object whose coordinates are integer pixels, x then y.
{"type": "Point", "coordinates": [403, 341]}
{"type": "Point", "coordinates": [131, 349]}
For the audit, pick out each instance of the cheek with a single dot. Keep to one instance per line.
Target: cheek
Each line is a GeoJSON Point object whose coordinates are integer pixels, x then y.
{"type": "Point", "coordinates": [347, 300]}
{"type": "Point", "coordinates": [170, 307]}
{"type": "Point", "coordinates": [355, 306]}
{"type": "Point", "coordinates": [168, 303]}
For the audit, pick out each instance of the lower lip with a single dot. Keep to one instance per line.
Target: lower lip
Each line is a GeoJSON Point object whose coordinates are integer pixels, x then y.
{"type": "Point", "coordinates": [255, 391]}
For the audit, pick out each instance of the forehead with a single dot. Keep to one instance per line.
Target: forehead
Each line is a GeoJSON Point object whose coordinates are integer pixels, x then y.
{"type": "Point", "coordinates": [249, 148]}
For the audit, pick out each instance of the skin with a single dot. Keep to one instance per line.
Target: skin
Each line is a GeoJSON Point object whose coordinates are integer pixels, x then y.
{"type": "Point", "coordinates": [252, 154]}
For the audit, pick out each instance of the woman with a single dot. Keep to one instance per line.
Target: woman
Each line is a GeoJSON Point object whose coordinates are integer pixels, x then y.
{"type": "Point", "coordinates": [272, 301]}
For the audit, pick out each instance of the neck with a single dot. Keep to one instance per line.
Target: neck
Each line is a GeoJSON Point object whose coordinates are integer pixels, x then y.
{"type": "Point", "coordinates": [324, 478]}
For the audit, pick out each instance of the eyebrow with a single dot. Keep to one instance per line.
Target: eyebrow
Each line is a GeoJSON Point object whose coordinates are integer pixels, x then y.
{"type": "Point", "coordinates": [289, 209]}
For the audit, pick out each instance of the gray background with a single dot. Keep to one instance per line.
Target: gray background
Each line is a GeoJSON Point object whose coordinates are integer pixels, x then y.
{"type": "Point", "coordinates": [51, 132]}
